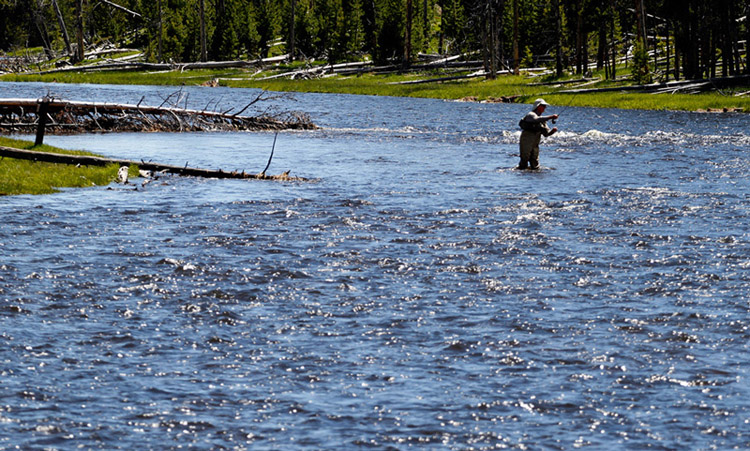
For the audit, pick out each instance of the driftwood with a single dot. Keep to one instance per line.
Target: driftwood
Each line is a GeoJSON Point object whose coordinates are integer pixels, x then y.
{"type": "Point", "coordinates": [121, 8]}
{"type": "Point", "coordinates": [138, 65]}
{"type": "Point", "coordinates": [67, 116]}
{"type": "Point", "coordinates": [501, 99]}
{"type": "Point", "coordinates": [432, 63]}
{"type": "Point", "coordinates": [479, 73]}
{"type": "Point", "coordinates": [565, 82]}
{"type": "Point", "coordinates": [84, 160]}
{"type": "Point", "coordinates": [672, 86]}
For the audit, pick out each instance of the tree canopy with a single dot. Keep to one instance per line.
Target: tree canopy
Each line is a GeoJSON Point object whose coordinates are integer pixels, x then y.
{"type": "Point", "coordinates": [660, 39]}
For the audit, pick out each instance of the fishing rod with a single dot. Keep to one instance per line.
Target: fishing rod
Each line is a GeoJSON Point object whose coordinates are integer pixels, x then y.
{"type": "Point", "coordinates": [565, 107]}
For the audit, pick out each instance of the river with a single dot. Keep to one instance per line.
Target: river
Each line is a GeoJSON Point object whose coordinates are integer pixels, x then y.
{"type": "Point", "coordinates": [416, 292]}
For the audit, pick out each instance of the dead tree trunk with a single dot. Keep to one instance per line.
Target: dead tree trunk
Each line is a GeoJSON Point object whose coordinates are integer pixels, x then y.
{"type": "Point", "coordinates": [42, 28]}
{"type": "Point", "coordinates": [516, 60]}
{"type": "Point", "coordinates": [558, 41]}
{"type": "Point", "coordinates": [79, 32]}
{"type": "Point", "coordinates": [75, 117]}
{"type": "Point", "coordinates": [41, 114]}
{"type": "Point", "coordinates": [612, 39]}
{"type": "Point", "coordinates": [160, 30]}
{"type": "Point", "coordinates": [48, 157]}
{"type": "Point", "coordinates": [121, 8]}
{"type": "Point", "coordinates": [292, 25]}
{"type": "Point", "coordinates": [579, 38]}
{"type": "Point", "coordinates": [204, 51]}
{"type": "Point", "coordinates": [63, 29]}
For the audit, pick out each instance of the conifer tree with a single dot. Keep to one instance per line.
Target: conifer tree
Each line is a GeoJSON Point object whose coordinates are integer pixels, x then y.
{"type": "Point", "coordinates": [641, 72]}
{"type": "Point", "coordinates": [390, 30]}
{"type": "Point", "coordinates": [306, 30]}
{"type": "Point", "coordinates": [248, 35]}
{"type": "Point", "coordinates": [268, 21]}
{"type": "Point", "coordinates": [353, 30]}
{"type": "Point", "coordinates": [224, 42]}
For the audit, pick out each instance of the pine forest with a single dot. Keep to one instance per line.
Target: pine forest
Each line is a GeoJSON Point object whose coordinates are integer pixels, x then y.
{"type": "Point", "coordinates": [664, 39]}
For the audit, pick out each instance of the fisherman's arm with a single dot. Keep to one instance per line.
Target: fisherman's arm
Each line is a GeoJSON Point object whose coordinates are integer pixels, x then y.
{"type": "Point", "coordinates": [531, 117]}
{"type": "Point", "coordinates": [546, 130]}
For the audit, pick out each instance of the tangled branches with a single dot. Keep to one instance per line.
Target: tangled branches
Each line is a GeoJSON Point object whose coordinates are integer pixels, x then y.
{"type": "Point", "coordinates": [67, 116]}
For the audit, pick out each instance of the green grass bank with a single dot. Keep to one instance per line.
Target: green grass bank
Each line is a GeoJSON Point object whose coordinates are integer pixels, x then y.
{"type": "Point", "coordinates": [523, 88]}
{"type": "Point", "coordinates": [30, 177]}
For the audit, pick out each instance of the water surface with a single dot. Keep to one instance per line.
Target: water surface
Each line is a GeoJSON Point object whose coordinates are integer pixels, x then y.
{"type": "Point", "coordinates": [417, 292]}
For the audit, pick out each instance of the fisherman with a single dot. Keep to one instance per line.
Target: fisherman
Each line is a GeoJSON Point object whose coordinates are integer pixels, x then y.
{"type": "Point", "coordinates": [534, 125]}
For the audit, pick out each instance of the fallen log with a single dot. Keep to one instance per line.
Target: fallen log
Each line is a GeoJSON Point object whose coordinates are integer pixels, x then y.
{"type": "Point", "coordinates": [85, 160]}
{"type": "Point", "coordinates": [565, 82]}
{"type": "Point", "coordinates": [687, 89]}
{"type": "Point", "coordinates": [68, 116]}
{"type": "Point", "coordinates": [480, 73]}
{"type": "Point", "coordinates": [138, 65]}
{"type": "Point", "coordinates": [672, 86]}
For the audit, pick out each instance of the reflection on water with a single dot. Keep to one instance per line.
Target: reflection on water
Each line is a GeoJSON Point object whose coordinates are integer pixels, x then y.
{"type": "Point", "coordinates": [418, 292]}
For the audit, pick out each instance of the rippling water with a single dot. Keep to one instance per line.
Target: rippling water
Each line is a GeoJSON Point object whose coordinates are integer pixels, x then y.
{"type": "Point", "coordinates": [418, 292]}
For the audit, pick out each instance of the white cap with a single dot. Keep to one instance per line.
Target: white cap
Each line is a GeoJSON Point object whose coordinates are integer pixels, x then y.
{"type": "Point", "coordinates": [539, 102]}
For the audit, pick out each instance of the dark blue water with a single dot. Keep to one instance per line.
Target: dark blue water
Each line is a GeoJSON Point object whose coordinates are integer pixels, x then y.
{"type": "Point", "coordinates": [418, 292]}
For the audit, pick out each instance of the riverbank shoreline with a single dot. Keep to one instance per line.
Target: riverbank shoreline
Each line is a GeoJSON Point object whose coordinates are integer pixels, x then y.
{"type": "Point", "coordinates": [34, 177]}
{"type": "Point", "coordinates": [423, 84]}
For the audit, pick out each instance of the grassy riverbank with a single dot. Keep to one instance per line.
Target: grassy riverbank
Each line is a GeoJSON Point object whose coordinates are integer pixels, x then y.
{"type": "Point", "coordinates": [504, 86]}
{"type": "Point", "coordinates": [523, 88]}
{"type": "Point", "coordinates": [29, 177]}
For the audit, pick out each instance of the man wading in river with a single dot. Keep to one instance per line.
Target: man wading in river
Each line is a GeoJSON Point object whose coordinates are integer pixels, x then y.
{"type": "Point", "coordinates": [534, 125]}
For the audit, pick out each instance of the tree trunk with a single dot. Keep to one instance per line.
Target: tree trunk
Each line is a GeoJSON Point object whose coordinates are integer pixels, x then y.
{"type": "Point", "coordinates": [492, 41]}
{"type": "Point", "coordinates": [667, 67]}
{"type": "Point", "coordinates": [612, 40]}
{"type": "Point", "coordinates": [84, 160]}
{"type": "Point", "coordinates": [204, 50]}
{"type": "Point", "coordinates": [579, 38]}
{"type": "Point", "coordinates": [710, 59]}
{"type": "Point", "coordinates": [676, 59]}
{"type": "Point", "coordinates": [640, 18]}
{"type": "Point", "coordinates": [441, 37]}
{"type": "Point", "coordinates": [292, 25]}
{"type": "Point", "coordinates": [558, 42]}
{"type": "Point", "coordinates": [63, 29]}
{"type": "Point", "coordinates": [407, 33]}
{"type": "Point", "coordinates": [601, 51]}
{"type": "Point", "coordinates": [725, 41]}
{"type": "Point", "coordinates": [485, 45]}
{"type": "Point", "coordinates": [425, 23]}
{"type": "Point", "coordinates": [79, 31]}
{"type": "Point", "coordinates": [160, 31]}
{"type": "Point", "coordinates": [516, 60]}
{"type": "Point", "coordinates": [585, 53]}
{"type": "Point", "coordinates": [42, 28]}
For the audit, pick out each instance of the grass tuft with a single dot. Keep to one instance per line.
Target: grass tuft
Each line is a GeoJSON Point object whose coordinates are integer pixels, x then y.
{"type": "Point", "coordinates": [30, 177]}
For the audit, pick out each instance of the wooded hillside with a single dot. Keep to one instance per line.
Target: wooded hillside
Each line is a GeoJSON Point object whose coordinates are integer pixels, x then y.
{"type": "Point", "coordinates": [663, 39]}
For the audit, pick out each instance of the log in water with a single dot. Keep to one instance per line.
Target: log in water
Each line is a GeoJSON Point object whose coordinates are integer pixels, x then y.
{"type": "Point", "coordinates": [86, 160]}
{"type": "Point", "coordinates": [69, 116]}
